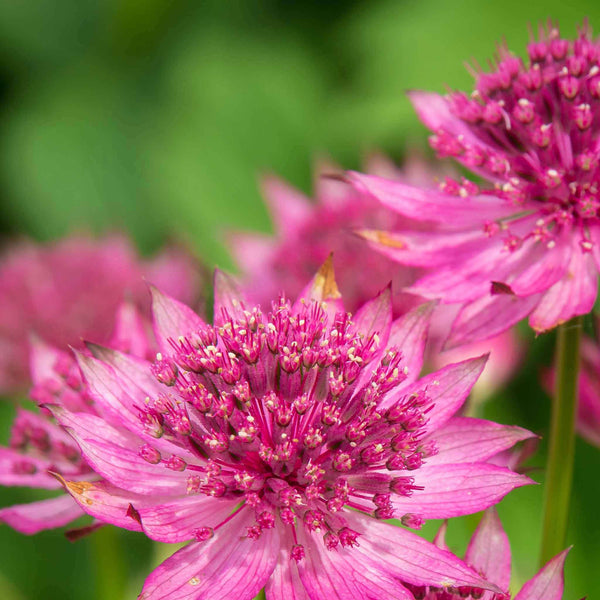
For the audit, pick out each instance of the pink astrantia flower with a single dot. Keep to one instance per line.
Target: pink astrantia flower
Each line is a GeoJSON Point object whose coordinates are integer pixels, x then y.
{"type": "Point", "coordinates": [528, 241]}
{"type": "Point", "coordinates": [39, 446]}
{"type": "Point", "coordinates": [307, 231]}
{"type": "Point", "coordinates": [71, 289]}
{"type": "Point", "coordinates": [253, 438]}
{"type": "Point", "coordinates": [489, 554]}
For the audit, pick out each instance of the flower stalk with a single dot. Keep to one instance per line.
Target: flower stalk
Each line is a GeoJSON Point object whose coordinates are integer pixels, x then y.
{"type": "Point", "coordinates": [561, 454]}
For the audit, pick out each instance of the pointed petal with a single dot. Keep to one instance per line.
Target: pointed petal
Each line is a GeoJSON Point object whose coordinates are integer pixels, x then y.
{"type": "Point", "coordinates": [39, 516]}
{"type": "Point", "coordinates": [375, 316]}
{"type": "Point", "coordinates": [409, 333]}
{"type": "Point", "coordinates": [489, 550]}
{"type": "Point", "coordinates": [131, 333]}
{"type": "Point", "coordinates": [162, 518]}
{"type": "Point", "coordinates": [288, 207]}
{"type": "Point", "coordinates": [343, 574]}
{"type": "Point", "coordinates": [171, 319]}
{"type": "Point", "coordinates": [573, 295]}
{"type": "Point", "coordinates": [323, 288]}
{"type": "Point", "coordinates": [111, 398]}
{"type": "Point", "coordinates": [489, 316]}
{"type": "Point", "coordinates": [548, 584]}
{"type": "Point", "coordinates": [229, 566]}
{"type": "Point", "coordinates": [105, 502]}
{"type": "Point", "coordinates": [408, 557]}
{"type": "Point", "coordinates": [458, 489]}
{"type": "Point", "coordinates": [228, 296]}
{"type": "Point", "coordinates": [464, 439]}
{"type": "Point", "coordinates": [430, 204]}
{"type": "Point", "coordinates": [434, 111]}
{"type": "Point", "coordinates": [447, 388]}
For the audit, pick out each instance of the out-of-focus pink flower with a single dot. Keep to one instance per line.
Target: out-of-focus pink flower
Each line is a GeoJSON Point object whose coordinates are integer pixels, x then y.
{"type": "Point", "coordinates": [528, 241]}
{"type": "Point", "coordinates": [39, 447]}
{"type": "Point", "coordinates": [489, 554]}
{"type": "Point", "coordinates": [307, 231]}
{"type": "Point", "coordinates": [253, 438]}
{"type": "Point", "coordinates": [70, 290]}
{"type": "Point", "coordinates": [588, 417]}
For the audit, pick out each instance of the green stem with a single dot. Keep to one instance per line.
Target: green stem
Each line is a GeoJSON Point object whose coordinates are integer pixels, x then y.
{"type": "Point", "coordinates": [110, 568]}
{"type": "Point", "coordinates": [561, 453]}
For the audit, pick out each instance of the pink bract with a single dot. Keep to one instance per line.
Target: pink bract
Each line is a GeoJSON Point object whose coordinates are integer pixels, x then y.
{"type": "Point", "coordinates": [278, 443]}
{"type": "Point", "coordinates": [39, 446]}
{"type": "Point", "coordinates": [489, 554]}
{"type": "Point", "coordinates": [70, 290]}
{"type": "Point", "coordinates": [527, 242]}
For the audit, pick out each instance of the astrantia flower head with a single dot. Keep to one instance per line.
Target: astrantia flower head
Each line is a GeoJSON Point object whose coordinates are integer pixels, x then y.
{"type": "Point", "coordinates": [279, 441]}
{"type": "Point", "coordinates": [39, 446]}
{"type": "Point", "coordinates": [528, 240]}
{"type": "Point", "coordinates": [489, 554]}
{"type": "Point", "coordinates": [70, 290]}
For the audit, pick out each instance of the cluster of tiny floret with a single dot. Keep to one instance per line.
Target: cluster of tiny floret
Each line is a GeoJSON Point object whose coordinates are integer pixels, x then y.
{"type": "Point", "coordinates": [282, 411]}
{"type": "Point", "coordinates": [532, 130]}
{"type": "Point", "coordinates": [451, 593]}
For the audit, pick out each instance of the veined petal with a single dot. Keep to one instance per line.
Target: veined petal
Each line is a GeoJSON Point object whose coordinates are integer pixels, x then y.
{"type": "Point", "coordinates": [431, 205]}
{"type": "Point", "coordinates": [228, 297]}
{"type": "Point", "coordinates": [425, 249]}
{"type": "Point", "coordinates": [573, 295]}
{"type": "Point", "coordinates": [105, 502]}
{"type": "Point", "coordinates": [171, 319]}
{"type": "Point", "coordinates": [547, 267]}
{"type": "Point", "coordinates": [375, 316]}
{"type": "Point", "coordinates": [548, 584]}
{"type": "Point", "coordinates": [285, 583]}
{"type": "Point", "coordinates": [174, 520]}
{"type": "Point", "coordinates": [408, 557]}
{"type": "Point", "coordinates": [409, 333]}
{"type": "Point", "coordinates": [488, 316]}
{"type": "Point", "coordinates": [344, 574]}
{"type": "Point", "coordinates": [115, 454]}
{"type": "Point", "coordinates": [447, 388]}
{"type": "Point", "coordinates": [229, 566]}
{"type": "Point", "coordinates": [458, 489]}
{"type": "Point", "coordinates": [464, 439]}
{"type": "Point", "coordinates": [169, 519]}
{"type": "Point", "coordinates": [115, 394]}
{"type": "Point", "coordinates": [489, 550]}
{"type": "Point", "coordinates": [39, 516]}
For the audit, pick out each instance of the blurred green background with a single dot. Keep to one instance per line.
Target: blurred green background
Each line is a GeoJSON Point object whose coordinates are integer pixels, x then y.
{"type": "Point", "coordinates": [156, 117]}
